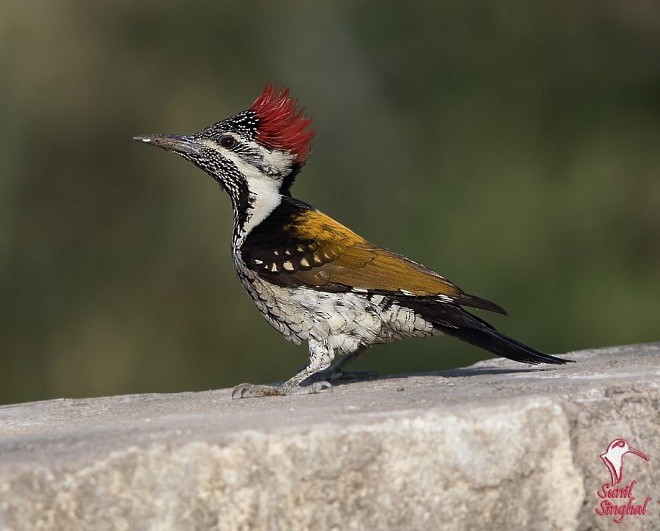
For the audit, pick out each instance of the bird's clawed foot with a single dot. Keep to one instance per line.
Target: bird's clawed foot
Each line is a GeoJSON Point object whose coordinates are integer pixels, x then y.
{"type": "Point", "coordinates": [247, 390]}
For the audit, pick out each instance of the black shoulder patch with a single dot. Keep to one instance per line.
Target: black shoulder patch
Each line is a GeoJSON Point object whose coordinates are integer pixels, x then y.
{"type": "Point", "coordinates": [270, 250]}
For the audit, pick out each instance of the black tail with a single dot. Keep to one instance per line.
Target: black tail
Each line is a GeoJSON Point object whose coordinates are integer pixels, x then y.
{"type": "Point", "coordinates": [490, 339]}
{"type": "Point", "coordinates": [455, 321]}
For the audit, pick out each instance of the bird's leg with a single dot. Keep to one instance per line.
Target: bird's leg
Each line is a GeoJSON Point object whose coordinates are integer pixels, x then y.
{"type": "Point", "coordinates": [336, 373]}
{"type": "Point", "coordinates": [320, 358]}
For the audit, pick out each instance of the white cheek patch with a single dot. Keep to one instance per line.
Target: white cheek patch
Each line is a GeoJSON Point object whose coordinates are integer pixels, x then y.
{"type": "Point", "coordinates": [264, 190]}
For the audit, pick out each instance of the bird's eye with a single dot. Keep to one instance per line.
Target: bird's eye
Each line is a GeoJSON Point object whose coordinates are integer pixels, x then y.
{"type": "Point", "coordinates": [228, 142]}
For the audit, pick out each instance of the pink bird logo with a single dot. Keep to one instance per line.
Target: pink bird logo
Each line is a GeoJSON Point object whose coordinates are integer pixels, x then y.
{"type": "Point", "coordinates": [613, 458]}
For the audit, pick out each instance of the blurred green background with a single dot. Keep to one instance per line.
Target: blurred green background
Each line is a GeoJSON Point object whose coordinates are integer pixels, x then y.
{"type": "Point", "coordinates": [512, 146]}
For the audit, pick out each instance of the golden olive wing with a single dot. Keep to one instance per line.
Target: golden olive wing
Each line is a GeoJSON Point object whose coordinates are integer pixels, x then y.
{"type": "Point", "coordinates": [321, 253]}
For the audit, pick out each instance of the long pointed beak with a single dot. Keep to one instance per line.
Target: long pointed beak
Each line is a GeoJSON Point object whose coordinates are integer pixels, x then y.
{"type": "Point", "coordinates": [637, 452]}
{"type": "Point", "coordinates": [177, 143]}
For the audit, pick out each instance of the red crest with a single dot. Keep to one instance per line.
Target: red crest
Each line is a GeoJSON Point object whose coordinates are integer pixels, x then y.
{"type": "Point", "coordinates": [280, 124]}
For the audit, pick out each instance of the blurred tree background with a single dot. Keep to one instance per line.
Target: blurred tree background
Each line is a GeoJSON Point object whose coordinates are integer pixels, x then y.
{"type": "Point", "coordinates": [512, 146]}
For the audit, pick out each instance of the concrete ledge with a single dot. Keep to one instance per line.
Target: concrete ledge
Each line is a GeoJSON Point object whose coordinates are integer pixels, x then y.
{"type": "Point", "coordinates": [492, 446]}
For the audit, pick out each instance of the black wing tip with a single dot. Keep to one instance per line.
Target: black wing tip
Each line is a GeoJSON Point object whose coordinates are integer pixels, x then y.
{"type": "Point", "coordinates": [480, 303]}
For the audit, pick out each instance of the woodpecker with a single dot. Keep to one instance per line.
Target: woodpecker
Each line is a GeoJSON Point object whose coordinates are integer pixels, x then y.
{"type": "Point", "coordinates": [312, 278]}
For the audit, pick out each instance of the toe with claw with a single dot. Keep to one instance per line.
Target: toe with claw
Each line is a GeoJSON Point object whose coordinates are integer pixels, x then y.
{"type": "Point", "coordinates": [247, 390]}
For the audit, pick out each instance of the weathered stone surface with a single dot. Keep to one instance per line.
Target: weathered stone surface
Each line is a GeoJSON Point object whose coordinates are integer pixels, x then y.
{"type": "Point", "coordinates": [493, 446]}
